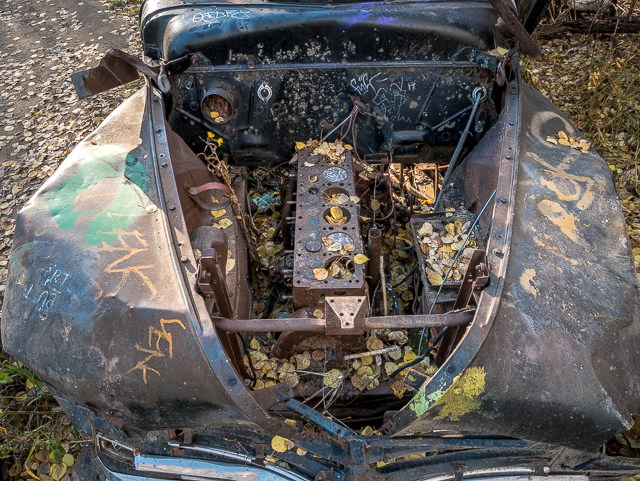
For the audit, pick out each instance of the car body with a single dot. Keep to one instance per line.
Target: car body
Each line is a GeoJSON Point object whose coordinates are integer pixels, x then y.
{"type": "Point", "coordinates": [119, 300]}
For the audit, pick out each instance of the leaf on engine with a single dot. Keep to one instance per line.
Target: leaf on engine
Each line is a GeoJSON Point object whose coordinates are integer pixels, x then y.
{"type": "Point", "coordinates": [231, 263]}
{"type": "Point", "coordinates": [367, 431]}
{"type": "Point", "coordinates": [399, 389]}
{"type": "Point", "coordinates": [224, 223]}
{"type": "Point", "coordinates": [320, 273]}
{"type": "Point", "coordinates": [374, 344]}
{"type": "Point", "coordinates": [434, 279]}
{"type": "Point", "coordinates": [335, 247]}
{"type": "Point", "coordinates": [360, 259]}
{"type": "Point", "coordinates": [218, 213]}
{"type": "Point", "coordinates": [395, 355]}
{"type": "Point", "coordinates": [409, 356]}
{"type": "Point", "coordinates": [303, 361]}
{"type": "Point", "coordinates": [366, 360]}
{"type": "Point", "coordinates": [389, 367]}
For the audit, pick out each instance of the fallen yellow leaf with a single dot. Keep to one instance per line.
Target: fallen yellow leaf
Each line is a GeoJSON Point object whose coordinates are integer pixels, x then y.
{"type": "Point", "coordinates": [320, 273]}
{"type": "Point", "coordinates": [360, 259]}
{"type": "Point", "coordinates": [332, 379]}
{"type": "Point", "coordinates": [281, 445]}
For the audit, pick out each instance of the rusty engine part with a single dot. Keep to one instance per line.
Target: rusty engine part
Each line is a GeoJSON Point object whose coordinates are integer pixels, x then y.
{"type": "Point", "coordinates": [319, 180]}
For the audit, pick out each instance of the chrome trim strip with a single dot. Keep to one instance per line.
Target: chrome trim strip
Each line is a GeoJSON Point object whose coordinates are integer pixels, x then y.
{"type": "Point", "coordinates": [213, 470]}
{"type": "Point", "coordinates": [215, 451]}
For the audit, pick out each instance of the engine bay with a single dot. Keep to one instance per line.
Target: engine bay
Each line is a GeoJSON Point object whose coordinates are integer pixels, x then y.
{"type": "Point", "coordinates": [357, 282]}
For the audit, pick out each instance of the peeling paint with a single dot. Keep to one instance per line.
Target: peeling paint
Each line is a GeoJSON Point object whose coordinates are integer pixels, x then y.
{"type": "Point", "coordinates": [65, 202]}
{"type": "Point", "coordinates": [421, 402]}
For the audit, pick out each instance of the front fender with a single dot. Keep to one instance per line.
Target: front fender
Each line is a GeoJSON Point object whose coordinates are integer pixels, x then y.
{"type": "Point", "coordinates": [94, 302]}
{"type": "Point", "coordinates": [558, 361]}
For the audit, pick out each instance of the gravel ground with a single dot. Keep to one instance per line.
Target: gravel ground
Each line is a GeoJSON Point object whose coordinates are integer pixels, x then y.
{"type": "Point", "coordinates": [41, 119]}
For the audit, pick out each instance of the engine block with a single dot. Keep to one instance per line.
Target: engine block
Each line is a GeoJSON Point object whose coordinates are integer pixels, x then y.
{"type": "Point", "coordinates": [320, 180]}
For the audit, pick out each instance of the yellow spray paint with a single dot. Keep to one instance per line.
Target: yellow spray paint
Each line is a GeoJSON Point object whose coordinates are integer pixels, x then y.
{"type": "Point", "coordinates": [560, 217]}
{"type": "Point", "coordinates": [525, 281]}
{"type": "Point", "coordinates": [463, 395]}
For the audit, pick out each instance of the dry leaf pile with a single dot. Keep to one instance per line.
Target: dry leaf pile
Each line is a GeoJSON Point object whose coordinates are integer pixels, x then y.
{"type": "Point", "coordinates": [330, 152]}
{"type": "Point", "coordinates": [386, 351]}
{"type": "Point", "coordinates": [400, 268]}
{"type": "Point", "coordinates": [578, 143]}
{"type": "Point", "coordinates": [441, 248]}
{"type": "Point", "coordinates": [265, 200]}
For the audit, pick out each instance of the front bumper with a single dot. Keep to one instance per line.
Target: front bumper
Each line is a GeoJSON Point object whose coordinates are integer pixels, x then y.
{"type": "Point", "coordinates": [202, 470]}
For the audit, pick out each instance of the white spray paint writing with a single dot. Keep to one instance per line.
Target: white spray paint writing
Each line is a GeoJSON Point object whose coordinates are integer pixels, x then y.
{"type": "Point", "coordinates": [388, 95]}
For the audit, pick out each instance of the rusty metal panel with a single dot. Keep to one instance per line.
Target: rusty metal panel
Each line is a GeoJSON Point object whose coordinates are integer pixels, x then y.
{"type": "Point", "coordinates": [93, 302]}
{"type": "Point", "coordinates": [116, 68]}
{"type": "Point", "coordinates": [548, 370]}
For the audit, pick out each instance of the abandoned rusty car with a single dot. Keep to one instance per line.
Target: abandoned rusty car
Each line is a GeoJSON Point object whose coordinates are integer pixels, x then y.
{"type": "Point", "coordinates": [337, 241]}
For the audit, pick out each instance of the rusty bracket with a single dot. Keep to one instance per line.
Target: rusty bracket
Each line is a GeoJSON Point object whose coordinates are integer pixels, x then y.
{"type": "Point", "coordinates": [476, 278]}
{"type": "Point", "coordinates": [459, 468]}
{"type": "Point", "coordinates": [528, 44]}
{"type": "Point", "coordinates": [346, 315]}
{"type": "Point", "coordinates": [270, 396]}
{"type": "Point", "coordinates": [212, 283]}
{"type": "Point", "coordinates": [116, 68]}
{"type": "Point", "coordinates": [416, 379]}
{"type": "Point", "coordinates": [194, 191]}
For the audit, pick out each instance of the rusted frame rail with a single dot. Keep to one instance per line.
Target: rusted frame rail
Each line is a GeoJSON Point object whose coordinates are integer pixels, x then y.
{"type": "Point", "coordinates": [312, 324]}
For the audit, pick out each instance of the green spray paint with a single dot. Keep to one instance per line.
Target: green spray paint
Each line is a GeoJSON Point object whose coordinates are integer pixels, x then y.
{"type": "Point", "coordinates": [119, 210]}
